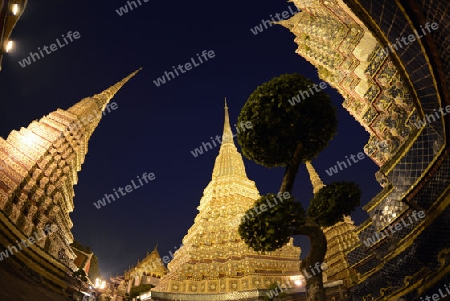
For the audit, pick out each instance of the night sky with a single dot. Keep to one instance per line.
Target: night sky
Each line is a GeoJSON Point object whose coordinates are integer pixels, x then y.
{"type": "Point", "coordinates": [154, 129]}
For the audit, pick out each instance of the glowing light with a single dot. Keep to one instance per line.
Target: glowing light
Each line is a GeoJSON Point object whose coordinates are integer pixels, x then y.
{"type": "Point", "coordinates": [101, 284]}
{"type": "Point", "coordinates": [9, 46]}
{"type": "Point", "coordinates": [15, 9]}
{"type": "Point", "coordinates": [146, 296]}
{"type": "Point", "coordinates": [298, 280]}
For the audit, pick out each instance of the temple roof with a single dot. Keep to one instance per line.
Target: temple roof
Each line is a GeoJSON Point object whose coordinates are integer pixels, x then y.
{"type": "Point", "coordinates": [83, 259]}
{"type": "Point", "coordinates": [151, 264]}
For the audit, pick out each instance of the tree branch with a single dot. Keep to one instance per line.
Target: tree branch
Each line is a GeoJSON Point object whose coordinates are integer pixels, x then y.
{"type": "Point", "coordinates": [316, 237]}
{"type": "Point", "coordinates": [291, 170]}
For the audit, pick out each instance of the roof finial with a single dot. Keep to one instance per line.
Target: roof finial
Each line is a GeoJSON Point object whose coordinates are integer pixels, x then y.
{"type": "Point", "coordinates": [227, 136]}
{"type": "Point", "coordinates": [229, 162]}
{"type": "Point", "coordinates": [314, 176]}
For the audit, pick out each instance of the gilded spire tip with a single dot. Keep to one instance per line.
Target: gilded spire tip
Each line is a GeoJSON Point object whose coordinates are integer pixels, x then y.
{"type": "Point", "coordinates": [314, 177]}
{"type": "Point", "coordinates": [227, 136]}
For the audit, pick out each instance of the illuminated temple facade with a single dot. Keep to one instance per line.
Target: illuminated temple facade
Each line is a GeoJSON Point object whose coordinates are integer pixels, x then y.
{"type": "Point", "coordinates": [38, 169]}
{"type": "Point", "coordinates": [350, 59]}
{"type": "Point", "coordinates": [147, 271]}
{"type": "Point", "coordinates": [388, 90]}
{"type": "Point", "coordinates": [213, 259]}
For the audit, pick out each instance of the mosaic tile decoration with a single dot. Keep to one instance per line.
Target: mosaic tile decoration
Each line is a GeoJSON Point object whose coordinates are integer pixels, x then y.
{"type": "Point", "coordinates": [411, 167]}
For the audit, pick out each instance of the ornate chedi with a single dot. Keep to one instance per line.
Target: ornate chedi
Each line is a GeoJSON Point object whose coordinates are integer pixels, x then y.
{"type": "Point", "coordinates": [147, 271]}
{"type": "Point", "coordinates": [341, 237]}
{"type": "Point", "coordinates": [38, 169]}
{"type": "Point", "coordinates": [412, 262]}
{"type": "Point", "coordinates": [351, 60]}
{"type": "Point", "coordinates": [213, 259]}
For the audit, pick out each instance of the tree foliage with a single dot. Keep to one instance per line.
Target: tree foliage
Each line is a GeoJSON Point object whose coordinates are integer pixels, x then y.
{"type": "Point", "coordinates": [79, 274]}
{"type": "Point", "coordinates": [285, 134]}
{"type": "Point", "coordinates": [333, 201]}
{"type": "Point", "coordinates": [278, 126]}
{"type": "Point", "coordinates": [272, 228]}
{"type": "Point", "coordinates": [94, 271]}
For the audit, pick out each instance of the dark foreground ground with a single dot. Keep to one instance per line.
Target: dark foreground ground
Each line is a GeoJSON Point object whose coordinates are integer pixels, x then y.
{"type": "Point", "coordinates": [17, 286]}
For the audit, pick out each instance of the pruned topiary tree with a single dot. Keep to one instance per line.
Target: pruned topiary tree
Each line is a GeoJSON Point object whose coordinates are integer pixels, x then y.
{"type": "Point", "coordinates": [288, 134]}
{"type": "Point", "coordinates": [334, 201]}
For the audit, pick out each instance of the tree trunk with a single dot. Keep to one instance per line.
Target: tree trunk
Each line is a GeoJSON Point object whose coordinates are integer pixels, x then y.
{"type": "Point", "coordinates": [314, 279]}
{"type": "Point", "coordinates": [317, 239]}
{"type": "Point", "coordinates": [291, 170]}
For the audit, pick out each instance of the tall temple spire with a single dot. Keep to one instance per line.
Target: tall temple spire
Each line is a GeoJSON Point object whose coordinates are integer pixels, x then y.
{"type": "Point", "coordinates": [314, 177]}
{"type": "Point", "coordinates": [38, 169]}
{"type": "Point", "coordinates": [213, 258]}
{"type": "Point", "coordinates": [91, 108]}
{"type": "Point", "coordinates": [227, 137]}
{"type": "Point", "coordinates": [229, 162]}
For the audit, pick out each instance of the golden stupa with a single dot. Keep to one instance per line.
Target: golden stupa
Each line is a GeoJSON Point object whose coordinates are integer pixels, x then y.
{"type": "Point", "coordinates": [213, 258]}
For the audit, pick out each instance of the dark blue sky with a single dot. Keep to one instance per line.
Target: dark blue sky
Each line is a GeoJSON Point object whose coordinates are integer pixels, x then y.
{"type": "Point", "coordinates": [154, 128]}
